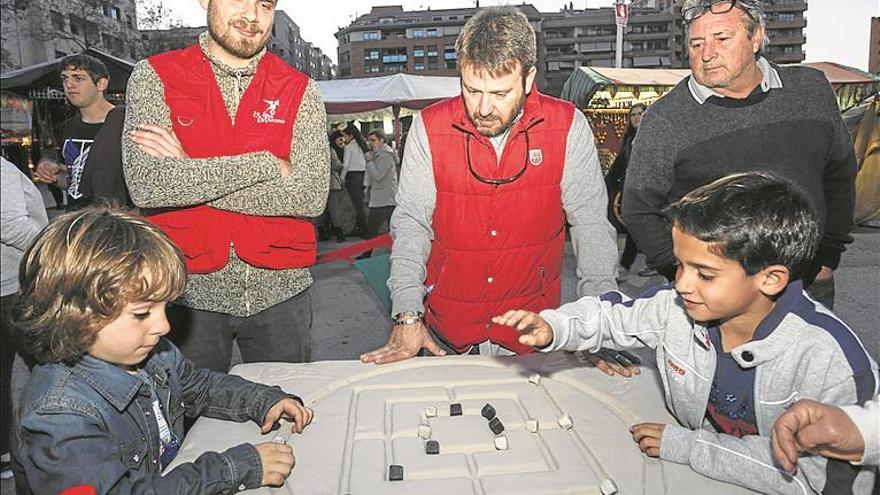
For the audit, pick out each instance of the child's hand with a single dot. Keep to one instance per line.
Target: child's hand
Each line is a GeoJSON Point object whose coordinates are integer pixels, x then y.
{"type": "Point", "coordinates": [290, 409]}
{"type": "Point", "coordinates": [648, 435]}
{"type": "Point", "coordinates": [534, 331]}
{"type": "Point", "coordinates": [277, 460]}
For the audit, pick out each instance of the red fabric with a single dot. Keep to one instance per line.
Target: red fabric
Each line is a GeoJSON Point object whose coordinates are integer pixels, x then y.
{"type": "Point", "coordinates": [348, 253]}
{"type": "Point", "coordinates": [80, 490]}
{"type": "Point", "coordinates": [263, 122]}
{"type": "Point", "coordinates": [495, 248]}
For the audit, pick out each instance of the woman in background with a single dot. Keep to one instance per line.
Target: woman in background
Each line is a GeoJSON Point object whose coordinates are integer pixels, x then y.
{"type": "Point", "coordinates": [353, 169]}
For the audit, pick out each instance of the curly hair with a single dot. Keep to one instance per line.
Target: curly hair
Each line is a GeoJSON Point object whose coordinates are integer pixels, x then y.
{"type": "Point", "coordinates": [81, 272]}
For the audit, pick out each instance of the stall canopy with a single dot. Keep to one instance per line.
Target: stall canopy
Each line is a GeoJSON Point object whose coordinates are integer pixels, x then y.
{"type": "Point", "coordinates": [376, 98]}
{"type": "Point", "coordinates": [45, 75]}
{"type": "Point", "coordinates": [851, 85]}
{"type": "Point", "coordinates": [584, 82]}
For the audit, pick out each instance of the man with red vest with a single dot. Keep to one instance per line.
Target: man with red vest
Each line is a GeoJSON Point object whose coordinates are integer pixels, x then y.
{"type": "Point", "coordinates": [488, 182]}
{"type": "Point", "coordinates": [227, 153]}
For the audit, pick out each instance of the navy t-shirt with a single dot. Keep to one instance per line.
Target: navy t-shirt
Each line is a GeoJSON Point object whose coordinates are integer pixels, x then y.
{"type": "Point", "coordinates": [731, 407]}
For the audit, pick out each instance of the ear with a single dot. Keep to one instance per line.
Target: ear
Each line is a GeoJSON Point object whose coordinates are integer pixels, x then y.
{"type": "Point", "coordinates": [774, 279]}
{"type": "Point", "coordinates": [102, 84]}
{"type": "Point", "coordinates": [758, 39]}
{"type": "Point", "coordinates": [204, 4]}
{"type": "Point", "coordinates": [530, 79]}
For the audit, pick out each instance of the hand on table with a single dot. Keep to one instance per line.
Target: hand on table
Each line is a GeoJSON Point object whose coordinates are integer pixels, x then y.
{"type": "Point", "coordinates": [533, 329]}
{"type": "Point", "coordinates": [404, 342]}
{"type": "Point", "coordinates": [810, 426]}
{"type": "Point", "coordinates": [157, 141]}
{"type": "Point", "coordinates": [613, 362]}
{"type": "Point", "coordinates": [648, 435]}
{"type": "Point", "coordinates": [277, 460]}
{"type": "Point", "coordinates": [289, 409]}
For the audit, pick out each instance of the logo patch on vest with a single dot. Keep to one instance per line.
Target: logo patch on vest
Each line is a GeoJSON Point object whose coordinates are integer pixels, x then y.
{"type": "Point", "coordinates": [268, 116]}
{"type": "Point", "coordinates": [536, 157]}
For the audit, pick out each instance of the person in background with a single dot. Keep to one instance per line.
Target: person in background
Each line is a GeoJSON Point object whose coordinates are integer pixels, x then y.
{"type": "Point", "coordinates": [381, 183]}
{"type": "Point", "coordinates": [22, 217]}
{"type": "Point", "coordinates": [354, 167]}
{"type": "Point", "coordinates": [337, 200]}
{"type": "Point", "coordinates": [614, 183]}
{"type": "Point", "coordinates": [84, 79]}
{"type": "Point", "coordinates": [738, 112]}
{"type": "Point", "coordinates": [848, 433]}
{"type": "Point", "coordinates": [225, 148]}
{"type": "Point", "coordinates": [490, 179]}
{"type": "Point", "coordinates": [106, 400]}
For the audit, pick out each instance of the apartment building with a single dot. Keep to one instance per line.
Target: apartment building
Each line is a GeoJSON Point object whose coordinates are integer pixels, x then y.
{"type": "Point", "coordinates": [874, 47]}
{"type": "Point", "coordinates": [46, 29]}
{"type": "Point", "coordinates": [389, 40]}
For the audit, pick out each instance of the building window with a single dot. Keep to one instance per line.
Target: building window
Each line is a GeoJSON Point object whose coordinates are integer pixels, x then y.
{"type": "Point", "coordinates": [374, 68]}
{"type": "Point", "coordinates": [418, 52]}
{"type": "Point", "coordinates": [57, 20]}
{"type": "Point", "coordinates": [418, 33]}
{"type": "Point", "coordinates": [432, 51]}
{"type": "Point", "coordinates": [371, 36]}
{"type": "Point", "coordinates": [129, 21]}
{"type": "Point", "coordinates": [431, 33]}
{"type": "Point", "coordinates": [450, 64]}
{"type": "Point", "coordinates": [116, 13]}
{"type": "Point", "coordinates": [371, 54]}
{"type": "Point", "coordinates": [75, 26]}
{"type": "Point", "coordinates": [449, 53]}
{"type": "Point", "coordinates": [419, 67]}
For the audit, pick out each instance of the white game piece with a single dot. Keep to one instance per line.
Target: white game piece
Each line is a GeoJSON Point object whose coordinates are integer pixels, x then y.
{"type": "Point", "coordinates": [532, 425]}
{"type": "Point", "coordinates": [535, 379]}
{"type": "Point", "coordinates": [431, 412]}
{"type": "Point", "coordinates": [424, 432]}
{"type": "Point", "coordinates": [565, 422]}
{"type": "Point", "coordinates": [608, 487]}
{"type": "Point", "coordinates": [279, 439]}
{"type": "Point", "coordinates": [501, 442]}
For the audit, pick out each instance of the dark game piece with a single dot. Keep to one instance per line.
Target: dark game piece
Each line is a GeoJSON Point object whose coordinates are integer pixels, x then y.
{"type": "Point", "coordinates": [488, 412]}
{"type": "Point", "coordinates": [455, 409]}
{"type": "Point", "coordinates": [395, 473]}
{"type": "Point", "coordinates": [496, 426]}
{"type": "Point", "coordinates": [432, 447]}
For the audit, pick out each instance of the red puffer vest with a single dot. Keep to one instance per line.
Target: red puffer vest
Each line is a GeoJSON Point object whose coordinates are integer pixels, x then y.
{"type": "Point", "coordinates": [495, 248]}
{"type": "Point", "coordinates": [263, 122]}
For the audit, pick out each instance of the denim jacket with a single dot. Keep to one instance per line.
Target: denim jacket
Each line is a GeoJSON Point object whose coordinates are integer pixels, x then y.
{"type": "Point", "coordinates": [92, 423]}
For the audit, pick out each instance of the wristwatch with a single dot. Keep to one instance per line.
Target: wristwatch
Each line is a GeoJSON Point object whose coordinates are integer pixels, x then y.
{"type": "Point", "coordinates": [408, 317]}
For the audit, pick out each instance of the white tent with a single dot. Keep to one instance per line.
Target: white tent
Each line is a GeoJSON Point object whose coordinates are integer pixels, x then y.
{"type": "Point", "coordinates": [379, 98]}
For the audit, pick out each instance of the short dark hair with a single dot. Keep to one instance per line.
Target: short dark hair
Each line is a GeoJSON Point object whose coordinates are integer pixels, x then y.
{"type": "Point", "coordinates": [80, 273]}
{"type": "Point", "coordinates": [94, 66]}
{"type": "Point", "coordinates": [753, 218]}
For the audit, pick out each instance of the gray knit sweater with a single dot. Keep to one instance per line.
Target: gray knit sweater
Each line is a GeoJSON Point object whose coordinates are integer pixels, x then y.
{"type": "Point", "coordinates": [249, 183]}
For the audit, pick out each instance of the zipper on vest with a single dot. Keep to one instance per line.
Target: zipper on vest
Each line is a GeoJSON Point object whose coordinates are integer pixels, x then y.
{"type": "Point", "coordinates": [247, 283]}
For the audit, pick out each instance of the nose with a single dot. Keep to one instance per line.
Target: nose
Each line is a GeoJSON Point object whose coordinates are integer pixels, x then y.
{"type": "Point", "coordinates": [250, 10]}
{"type": "Point", "coordinates": [162, 325]}
{"type": "Point", "coordinates": [683, 281]}
{"type": "Point", "coordinates": [486, 106]}
{"type": "Point", "coordinates": [707, 51]}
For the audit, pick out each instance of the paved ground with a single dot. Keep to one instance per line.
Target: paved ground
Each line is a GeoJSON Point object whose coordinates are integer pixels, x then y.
{"type": "Point", "coordinates": [349, 319]}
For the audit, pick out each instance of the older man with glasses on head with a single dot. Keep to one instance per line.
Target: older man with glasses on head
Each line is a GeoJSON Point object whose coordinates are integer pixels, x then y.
{"type": "Point", "coordinates": [488, 182]}
{"type": "Point", "coordinates": [739, 112]}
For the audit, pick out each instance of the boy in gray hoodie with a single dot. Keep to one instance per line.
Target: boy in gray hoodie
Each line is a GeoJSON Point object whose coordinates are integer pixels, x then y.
{"type": "Point", "coordinates": [737, 339]}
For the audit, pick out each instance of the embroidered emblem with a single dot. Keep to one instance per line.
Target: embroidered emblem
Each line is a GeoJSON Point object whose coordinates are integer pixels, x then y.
{"type": "Point", "coordinates": [268, 116]}
{"type": "Point", "coordinates": [536, 157]}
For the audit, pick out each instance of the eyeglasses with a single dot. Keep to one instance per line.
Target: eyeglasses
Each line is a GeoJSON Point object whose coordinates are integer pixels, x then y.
{"type": "Point", "coordinates": [496, 182]}
{"type": "Point", "coordinates": [690, 14]}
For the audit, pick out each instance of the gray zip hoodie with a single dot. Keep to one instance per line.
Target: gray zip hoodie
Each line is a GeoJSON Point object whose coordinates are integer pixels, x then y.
{"type": "Point", "coordinates": [809, 353]}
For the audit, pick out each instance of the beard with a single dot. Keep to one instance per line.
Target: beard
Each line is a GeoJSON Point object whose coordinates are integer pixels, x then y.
{"type": "Point", "coordinates": [495, 125]}
{"type": "Point", "coordinates": [240, 47]}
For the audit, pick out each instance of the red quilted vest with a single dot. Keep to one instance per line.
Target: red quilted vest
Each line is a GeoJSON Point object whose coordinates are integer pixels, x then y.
{"type": "Point", "coordinates": [495, 248]}
{"type": "Point", "coordinates": [263, 122]}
